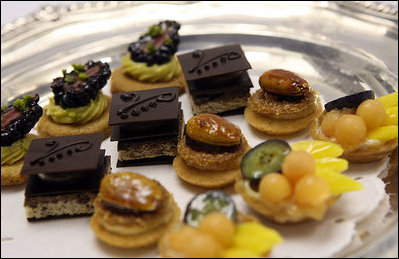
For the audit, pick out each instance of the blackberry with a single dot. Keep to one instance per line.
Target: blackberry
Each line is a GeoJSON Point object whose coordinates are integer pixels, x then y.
{"type": "Point", "coordinates": [18, 118]}
{"type": "Point", "coordinates": [157, 45]}
{"type": "Point", "coordinates": [78, 87]}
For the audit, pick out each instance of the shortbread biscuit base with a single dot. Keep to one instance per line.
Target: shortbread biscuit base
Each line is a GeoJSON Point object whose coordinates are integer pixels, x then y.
{"type": "Point", "coordinates": [275, 126]}
{"type": "Point", "coordinates": [11, 174]}
{"type": "Point", "coordinates": [285, 213]}
{"type": "Point", "coordinates": [274, 107]}
{"type": "Point", "coordinates": [203, 160]}
{"type": "Point", "coordinates": [134, 241]}
{"type": "Point", "coordinates": [121, 82]}
{"type": "Point", "coordinates": [46, 127]}
{"type": "Point", "coordinates": [363, 154]}
{"type": "Point", "coordinates": [223, 103]}
{"type": "Point", "coordinates": [204, 178]}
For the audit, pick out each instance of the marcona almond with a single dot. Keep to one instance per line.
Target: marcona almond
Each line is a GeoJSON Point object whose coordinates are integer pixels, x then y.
{"type": "Point", "coordinates": [213, 129]}
{"type": "Point", "coordinates": [283, 82]}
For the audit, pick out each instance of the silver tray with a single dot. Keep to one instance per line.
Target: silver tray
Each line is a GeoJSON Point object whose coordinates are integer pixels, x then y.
{"type": "Point", "coordinates": [320, 41]}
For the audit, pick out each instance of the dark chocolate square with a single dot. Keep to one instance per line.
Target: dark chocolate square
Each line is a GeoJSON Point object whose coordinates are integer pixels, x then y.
{"type": "Point", "coordinates": [213, 62]}
{"type": "Point", "coordinates": [77, 153]}
{"type": "Point", "coordinates": [211, 87]}
{"type": "Point", "coordinates": [88, 183]}
{"type": "Point", "coordinates": [144, 107]}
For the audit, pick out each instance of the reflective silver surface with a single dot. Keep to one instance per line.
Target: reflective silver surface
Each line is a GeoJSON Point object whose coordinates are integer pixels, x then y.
{"type": "Point", "coordinates": [332, 48]}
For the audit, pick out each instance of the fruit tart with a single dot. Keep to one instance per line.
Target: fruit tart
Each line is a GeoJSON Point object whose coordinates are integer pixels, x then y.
{"type": "Point", "coordinates": [151, 61]}
{"type": "Point", "coordinates": [366, 128]}
{"type": "Point", "coordinates": [17, 119]}
{"type": "Point", "coordinates": [293, 183]}
{"type": "Point", "coordinates": [213, 228]}
{"type": "Point", "coordinates": [78, 105]}
{"type": "Point", "coordinates": [132, 211]}
{"type": "Point", "coordinates": [210, 152]}
{"type": "Point", "coordinates": [285, 104]}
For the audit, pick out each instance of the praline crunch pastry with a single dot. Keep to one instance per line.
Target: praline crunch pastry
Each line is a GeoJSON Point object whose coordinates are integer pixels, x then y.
{"type": "Point", "coordinates": [289, 186]}
{"type": "Point", "coordinates": [17, 119]}
{"type": "Point", "coordinates": [132, 211]}
{"type": "Point", "coordinates": [150, 62]}
{"type": "Point", "coordinates": [217, 79]}
{"type": "Point", "coordinates": [210, 152]}
{"type": "Point", "coordinates": [64, 175]}
{"type": "Point", "coordinates": [367, 128]}
{"type": "Point", "coordinates": [78, 105]}
{"type": "Point", "coordinates": [285, 104]}
{"type": "Point", "coordinates": [213, 228]}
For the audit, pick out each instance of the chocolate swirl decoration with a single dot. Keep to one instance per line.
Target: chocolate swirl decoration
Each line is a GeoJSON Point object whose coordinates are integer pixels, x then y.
{"type": "Point", "coordinates": [80, 146]}
{"type": "Point", "coordinates": [145, 105]}
{"type": "Point", "coordinates": [206, 65]}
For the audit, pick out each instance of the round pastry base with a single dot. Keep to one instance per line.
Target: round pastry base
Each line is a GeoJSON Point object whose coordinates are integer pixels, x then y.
{"type": "Point", "coordinates": [46, 127]}
{"type": "Point", "coordinates": [120, 82]}
{"type": "Point", "coordinates": [134, 241]}
{"type": "Point", "coordinates": [10, 174]}
{"type": "Point", "coordinates": [204, 178]}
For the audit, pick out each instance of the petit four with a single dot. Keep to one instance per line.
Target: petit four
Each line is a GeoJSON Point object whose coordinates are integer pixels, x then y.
{"type": "Point", "coordinates": [365, 127]}
{"type": "Point", "coordinates": [78, 105]}
{"type": "Point", "coordinates": [150, 62]}
{"type": "Point", "coordinates": [132, 211]}
{"type": "Point", "coordinates": [64, 175]}
{"type": "Point", "coordinates": [285, 104]}
{"type": "Point", "coordinates": [213, 228]}
{"type": "Point", "coordinates": [294, 183]}
{"type": "Point", "coordinates": [17, 119]}
{"type": "Point", "coordinates": [147, 125]}
{"type": "Point", "coordinates": [217, 79]}
{"type": "Point", "coordinates": [210, 152]}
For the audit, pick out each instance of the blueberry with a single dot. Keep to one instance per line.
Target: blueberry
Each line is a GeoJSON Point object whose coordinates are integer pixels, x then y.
{"type": "Point", "coordinates": [350, 101]}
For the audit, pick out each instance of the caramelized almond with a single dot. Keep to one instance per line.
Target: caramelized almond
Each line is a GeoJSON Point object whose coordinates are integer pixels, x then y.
{"type": "Point", "coordinates": [283, 82]}
{"type": "Point", "coordinates": [131, 191]}
{"type": "Point", "coordinates": [213, 129]}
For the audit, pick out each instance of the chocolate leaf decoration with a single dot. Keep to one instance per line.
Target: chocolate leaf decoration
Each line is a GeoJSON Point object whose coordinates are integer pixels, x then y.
{"type": "Point", "coordinates": [223, 58]}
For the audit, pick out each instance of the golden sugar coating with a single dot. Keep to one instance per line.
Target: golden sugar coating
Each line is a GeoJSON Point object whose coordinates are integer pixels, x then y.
{"type": "Point", "coordinates": [204, 160]}
{"type": "Point", "coordinates": [214, 130]}
{"type": "Point", "coordinates": [46, 127]}
{"type": "Point", "coordinates": [363, 153]}
{"type": "Point", "coordinates": [204, 178]}
{"type": "Point", "coordinates": [272, 106]}
{"type": "Point", "coordinates": [120, 82]}
{"type": "Point", "coordinates": [145, 236]}
{"type": "Point", "coordinates": [132, 191]}
{"type": "Point", "coordinates": [283, 82]}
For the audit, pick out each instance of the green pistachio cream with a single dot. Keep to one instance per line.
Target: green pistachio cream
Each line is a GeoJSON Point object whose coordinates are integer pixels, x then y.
{"type": "Point", "coordinates": [15, 152]}
{"type": "Point", "coordinates": [79, 115]}
{"type": "Point", "coordinates": [152, 74]}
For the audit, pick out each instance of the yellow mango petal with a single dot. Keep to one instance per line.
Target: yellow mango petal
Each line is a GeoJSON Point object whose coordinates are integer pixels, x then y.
{"type": "Point", "coordinates": [337, 165]}
{"type": "Point", "coordinates": [319, 149]}
{"type": "Point", "coordinates": [384, 133]}
{"type": "Point", "coordinates": [389, 100]}
{"type": "Point", "coordinates": [392, 116]}
{"type": "Point", "coordinates": [239, 253]}
{"type": "Point", "coordinates": [255, 237]}
{"type": "Point", "coordinates": [339, 183]}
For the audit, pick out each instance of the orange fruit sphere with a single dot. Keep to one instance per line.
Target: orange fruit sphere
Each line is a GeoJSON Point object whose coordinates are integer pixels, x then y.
{"type": "Point", "coordinates": [297, 164]}
{"type": "Point", "coordinates": [329, 122]}
{"type": "Point", "coordinates": [203, 245]}
{"type": "Point", "coordinates": [219, 226]}
{"type": "Point", "coordinates": [311, 191]}
{"type": "Point", "coordinates": [350, 130]}
{"type": "Point", "coordinates": [372, 112]}
{"type": "Point", "coordinates": [275, 188]}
